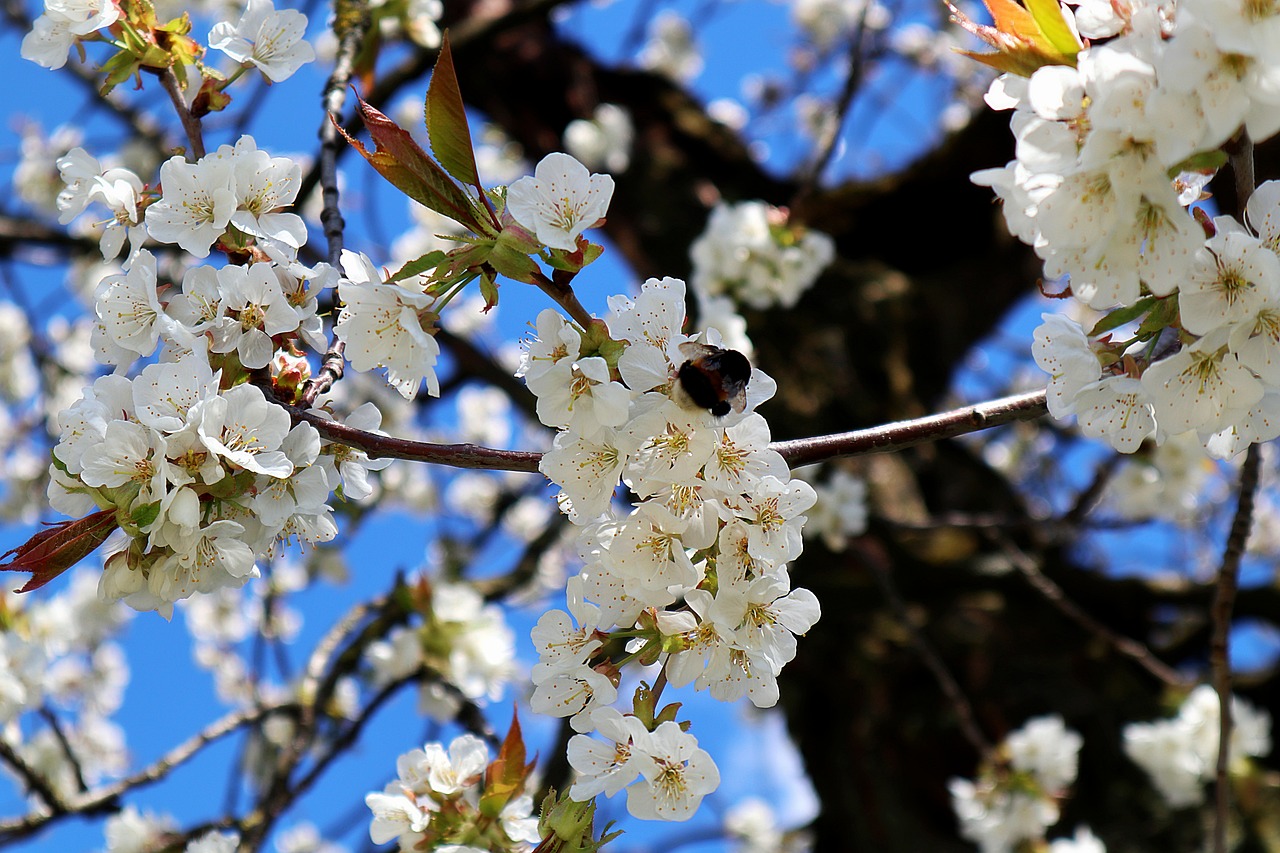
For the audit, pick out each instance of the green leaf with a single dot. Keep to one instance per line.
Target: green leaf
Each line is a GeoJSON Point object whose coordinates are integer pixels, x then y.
{"type": "Point", "coordinates": [446, 119]}
{"type": "Point", "coordinates": [1021, 45]}
{"type": "Point", "coordinates": [402, 162]}
{"type": "Point", "coordinates": [1048, 15]}
{"type": "Point", "coordinates": [1120, 316]}
{"type": "Point", "coordinates": [418, 266]}
{"type": "Point", "coordinates": [119, 68]}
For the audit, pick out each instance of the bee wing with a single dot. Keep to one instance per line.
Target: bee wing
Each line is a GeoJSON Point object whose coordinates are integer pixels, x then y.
{"type": "Point", "coordinates": [692, 350]}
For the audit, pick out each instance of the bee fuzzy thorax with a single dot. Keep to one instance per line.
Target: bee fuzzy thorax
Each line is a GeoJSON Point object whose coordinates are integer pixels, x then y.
{"type": "Point", "coordinates": [712, 378]}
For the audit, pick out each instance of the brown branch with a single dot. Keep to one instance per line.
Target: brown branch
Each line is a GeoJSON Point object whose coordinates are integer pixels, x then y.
{"type": "Point", "coordinates": [1220, 643]}
{"type": "Point", "coordinates": [903, 434]}
{"type": "Point", "coordinates": [191, 123]}
{"type": "Point", "coordinates": [803, 451]}
{"type": "Point", "coordinates": [1054, 594]}
{"type": "Point", "coordinates": [102, 797]}
{"type": "Point", "coordinates": [388, 447]}
{"type": "Point", "coordinates": [352, 27]}
{"type": "Point", "coordinates": [563, 295]}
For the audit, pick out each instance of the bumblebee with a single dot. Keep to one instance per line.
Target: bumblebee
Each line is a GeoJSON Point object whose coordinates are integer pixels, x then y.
{"type": "Point", "coordinates": [712, 378]}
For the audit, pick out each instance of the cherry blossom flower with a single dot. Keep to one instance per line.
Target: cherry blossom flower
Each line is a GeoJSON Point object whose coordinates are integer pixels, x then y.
{"type": "Point", "coordinates": [560, 201]}
{"type": "Point", "coordinates": [606, 767]}
{"type": "Point", "coordinates": [264, 185]}
{"type": "Point", "coordinates": [382, 326]}
{"type": "Point", "coordinates": [677, 775]}
{"type": "Point", "coordinates": [270, 40]}
{"type": "Point", "coordinates": [198, 202]}
{"type": "Point", "coordinates": [128, 306]}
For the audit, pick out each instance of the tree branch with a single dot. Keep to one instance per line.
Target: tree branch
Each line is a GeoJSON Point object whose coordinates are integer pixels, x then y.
{"type": "Point", "coordinates": [1220, 643]}
{"type": "Point", "coordinates": [352, 27]}
{"type": "Point", "coordinates": [99, 798]}
{"type": "Point", "coordinates": [798, 452]}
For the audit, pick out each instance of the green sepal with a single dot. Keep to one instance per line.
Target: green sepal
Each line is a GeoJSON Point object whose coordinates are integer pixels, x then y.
{"type": "Point", "coordinates": [1201, 161]}
{"type": "Point", "coordinates": [668, 715]}
{"type": "Point", "coordinates": [143, 516]}
{"type": "Point", "coordinates": [509, 261]}
{"type": "Point", "coordinates": [489, 290]}
{"type": "Point", "coordinates": [596, 341]}
{"type": "Point", "coordinates": [418, 266]}
{"type": "Point", "coordinates": [1122, 315]}
{"type": "Point", "coordinates": [567, 826]}
{"type": "Point", "coordinates": [1163, 315]}
{"type": "Point", "coordinates": [590, 252]}
{"type": "Point", "coordinates": [462, 262]}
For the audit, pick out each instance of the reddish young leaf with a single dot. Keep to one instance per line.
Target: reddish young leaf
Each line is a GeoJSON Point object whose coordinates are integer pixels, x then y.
{"type": "Point", "coordinates": [504, 778]}
{"type": "Point", "coordinates": [446, 119]}
{"type": "Point", "coordinates": [402, 162]}
{"type": "Point", "coordinates": [59, 547]}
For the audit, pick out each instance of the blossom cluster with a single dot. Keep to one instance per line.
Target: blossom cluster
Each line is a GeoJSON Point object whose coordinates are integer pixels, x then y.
{"type": "Point", "coordinates": [1190, 340]}
{"type": "Point", "coordinates": [435, 804]}
{"type": "Point", "coordinates": [202, 480]}
{"type": "Point", "coordinates": [751, 253]}
{"type": "Point", "coordinates": [465, 640]}
{"type": "Point", "coordinates": [205, 474]}
{"type": "Point", "coordinates": [1016, 796]}
{"type": "Point", "coordinates": [602, 141]}
{"type": "Point", "coordinates": [695, 570]}
{"type": "Point", "coordinates": [1181, 754]}
{"type": "Point", "coordinates": [262, 38]}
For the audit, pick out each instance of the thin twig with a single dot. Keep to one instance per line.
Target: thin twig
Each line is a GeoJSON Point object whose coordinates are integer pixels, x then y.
{"type": "Point", "coordinates": [1220, 644]}
{"type": "Point", "coordinates": [946, 681]}
{"type": "Point", "coordinates": [60, 734]}
{"type": "Point", "coordinates": [35, 782]}
{"type": "Point", "coordinates": [353, 26]}
{"type": "Point", "coordinates": [1054, 594]}
{"type": "Point", "coordinates": [191, 124]}
{"type": "Point", "coordinates": [388, 447]}
{"type": "Point", "coordinates": [98, 798]}
{"type": "Point", "coordinates": [830, 137]}
{"type": "Point", "coordinates": [1087, 499]}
